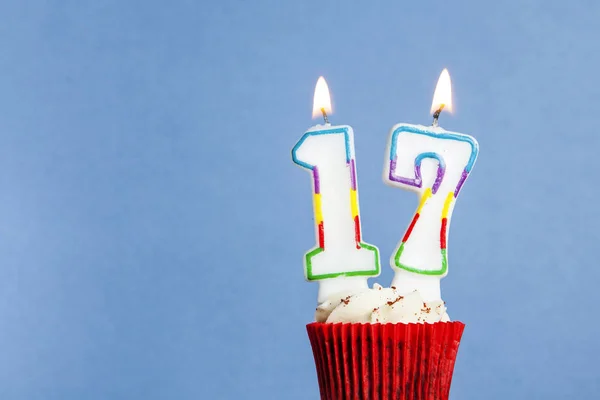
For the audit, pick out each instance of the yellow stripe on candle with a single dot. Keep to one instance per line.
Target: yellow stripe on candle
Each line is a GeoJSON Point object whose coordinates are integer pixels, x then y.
{"type": "Point", "coordinates": [447, 205]}
{"type": "Point", "coordinates": [426, 195]}
{"type": "Point", "coordinates": [317, 205]}
{"type": "Point", "coordinates": [353, 203]}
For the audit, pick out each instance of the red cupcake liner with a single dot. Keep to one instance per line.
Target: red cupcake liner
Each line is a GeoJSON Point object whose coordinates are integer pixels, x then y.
{"type": "Point", "coordinates": [385, 361]}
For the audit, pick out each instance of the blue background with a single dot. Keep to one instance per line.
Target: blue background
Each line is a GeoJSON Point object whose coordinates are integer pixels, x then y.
{"type": "Point", "coordinates": [152, 224]}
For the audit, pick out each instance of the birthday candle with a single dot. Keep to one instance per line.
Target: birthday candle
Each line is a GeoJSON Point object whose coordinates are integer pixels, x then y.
{"type": "Point", "coordinates": [435, 163]}
{"type": "Point", "coordinates": [341, 260]}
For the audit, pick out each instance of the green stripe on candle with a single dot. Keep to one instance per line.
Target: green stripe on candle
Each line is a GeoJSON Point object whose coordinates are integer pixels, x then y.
{"type": "Point", "coordinates": [429, 272]}
{"type": "Point", "coordinates": [311, 254]}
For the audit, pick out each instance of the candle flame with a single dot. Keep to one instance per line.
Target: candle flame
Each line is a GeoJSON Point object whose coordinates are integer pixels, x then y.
{"type": "Point", "coordinates": [442, 97]}
{"type": "Point", "coordinates": [322, 99]}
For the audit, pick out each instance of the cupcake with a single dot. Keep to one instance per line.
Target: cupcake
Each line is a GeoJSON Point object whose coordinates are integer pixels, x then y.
{"type": "Point", "coordinates": [383, 343]}
{"type": "Point", "coordinates": [377, 344]}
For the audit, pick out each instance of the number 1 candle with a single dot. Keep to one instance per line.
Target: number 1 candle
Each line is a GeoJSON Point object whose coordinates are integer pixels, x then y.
{"type": "Point", "coordinates": [341, 261]}
{"type": "Point", "coordinates": [435, 163]}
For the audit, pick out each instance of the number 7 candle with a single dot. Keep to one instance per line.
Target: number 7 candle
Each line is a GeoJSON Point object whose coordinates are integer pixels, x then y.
{"type": "Point", "coordinates": [435, 163]}
{"type": "Point", "coordinates": [341, 261]}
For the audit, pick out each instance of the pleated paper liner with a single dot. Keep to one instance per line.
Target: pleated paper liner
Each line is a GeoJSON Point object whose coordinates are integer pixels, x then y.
{"type": "Point", "coordinates": [385, 361]}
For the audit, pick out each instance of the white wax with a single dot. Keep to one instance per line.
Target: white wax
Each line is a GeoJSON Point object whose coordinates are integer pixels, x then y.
{"type": "Point", "coordinates": [434, 163]}
{"type": "Point", "coordinates": [341, 261]}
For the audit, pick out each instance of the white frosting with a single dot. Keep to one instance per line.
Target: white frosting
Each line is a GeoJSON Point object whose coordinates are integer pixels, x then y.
{"type": "Point", "coordinates": [380, 305]}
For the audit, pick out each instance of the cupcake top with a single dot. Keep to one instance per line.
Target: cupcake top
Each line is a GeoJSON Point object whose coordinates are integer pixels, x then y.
{"type": "Point", "coordinates": [380, 305]}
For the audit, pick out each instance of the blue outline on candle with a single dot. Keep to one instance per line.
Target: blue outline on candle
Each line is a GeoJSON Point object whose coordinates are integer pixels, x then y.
{"type": "Point", "coordinates": [417, 182]}
{"type": "Point", "coordinates": [316, 133]}
{"type": "Point", "coordinates": [317, 250]}
{"type": "Point", "coordinates": [445, 135]}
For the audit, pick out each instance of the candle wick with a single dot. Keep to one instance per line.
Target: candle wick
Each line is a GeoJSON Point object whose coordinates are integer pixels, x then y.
{"type": "Point", "coordinates": [436, 115]}
{"type": "Point", "coordinates": [325, 116]}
